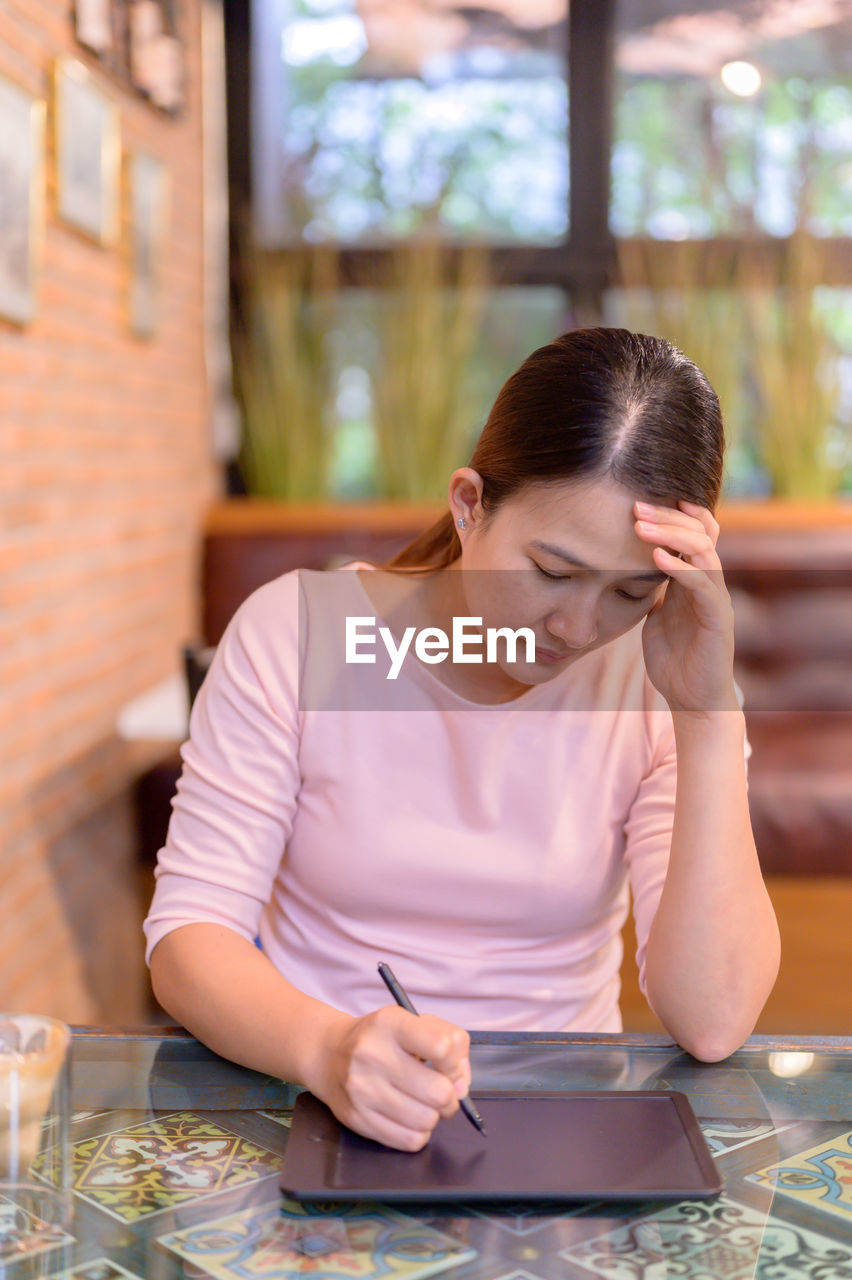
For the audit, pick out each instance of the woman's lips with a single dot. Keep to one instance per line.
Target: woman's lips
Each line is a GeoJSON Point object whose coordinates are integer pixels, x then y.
{"type": "Point", "coordinates": [548, 655]}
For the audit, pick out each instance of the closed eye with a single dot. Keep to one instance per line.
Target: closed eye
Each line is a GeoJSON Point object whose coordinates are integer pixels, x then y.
{"type": "Point", "coordinates": [554, 577]}
{"type": "Point", "coordinates": [625, 595]}
{"type": "Point", "coordinates": [563, 577]}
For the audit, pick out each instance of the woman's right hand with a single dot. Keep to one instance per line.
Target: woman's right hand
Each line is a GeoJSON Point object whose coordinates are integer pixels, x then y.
{"type": "Point", "coordinates": [390, 1075]}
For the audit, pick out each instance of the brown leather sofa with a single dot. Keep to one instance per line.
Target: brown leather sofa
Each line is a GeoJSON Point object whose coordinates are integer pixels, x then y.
{"type": "Point", "coordinates": [792, 593]}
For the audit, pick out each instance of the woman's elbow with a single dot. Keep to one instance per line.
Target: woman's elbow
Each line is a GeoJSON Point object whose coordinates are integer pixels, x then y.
{"type": "Point", "coordinates": [710, 1047]}
{"type": "Point", "coordinates": [161, 971]}
{"type": "Point", "coordinates": [721, 1031]}
{"type": "Point", "coordinates": [721, 1035]}
{"type": "Point", "coordinates": [171, 971]}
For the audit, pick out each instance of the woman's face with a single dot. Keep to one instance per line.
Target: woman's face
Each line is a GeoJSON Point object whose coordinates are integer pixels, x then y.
{"type": "Point", "coordinates": [563, 560]}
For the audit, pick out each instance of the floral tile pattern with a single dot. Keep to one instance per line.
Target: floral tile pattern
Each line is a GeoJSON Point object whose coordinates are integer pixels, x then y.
{"type": "Point", "coordinates": [287, 1241]}
{"type": "Point", "coordinates": [820, 1177]}
{"type": "Point", "coordinates": [160, 1164]}
{"type": "Point", "coordinates": [696, 1240]}
{"type": "Point", "coordinates": [99, 1269]}
{"type": "Point", "coordinates": [22, 1234]}
{"type": "Point", "coordinates": [194, 1192]}
{"type": "Point", "coordinates": [723, 1136]}
{"type": "Point", "coordinates": [283, 1116]}
{"type": "Point", "coordinates": [527, 1220]}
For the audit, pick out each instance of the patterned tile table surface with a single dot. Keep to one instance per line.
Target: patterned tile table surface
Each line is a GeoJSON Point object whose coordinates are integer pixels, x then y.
{"type": "Point", "coordinates": [176, 1159]}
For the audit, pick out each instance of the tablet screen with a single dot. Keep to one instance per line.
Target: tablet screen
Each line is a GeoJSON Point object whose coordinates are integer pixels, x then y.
{"type": "Point", "coordinates": [571, 1146]}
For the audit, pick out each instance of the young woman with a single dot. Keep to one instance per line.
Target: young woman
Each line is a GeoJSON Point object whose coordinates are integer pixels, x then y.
{"type": "Point", "coordinates": [478, 824]}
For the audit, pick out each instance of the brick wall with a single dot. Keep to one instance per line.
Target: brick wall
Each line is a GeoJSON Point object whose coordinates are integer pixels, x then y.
{"type": "Point", "coordinates": [105, 471]}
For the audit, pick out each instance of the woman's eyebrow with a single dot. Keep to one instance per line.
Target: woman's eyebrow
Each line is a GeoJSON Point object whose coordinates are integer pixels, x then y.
{"type": "Point", "coordinates": [652, 575]}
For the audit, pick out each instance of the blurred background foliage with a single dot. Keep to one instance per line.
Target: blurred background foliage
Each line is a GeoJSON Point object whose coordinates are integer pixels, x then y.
{"type": "Point", "coordinates": [284, 375]}
{"type": "Point", "coordinates": [379, 390]}
{"type": "Point", "coordinates": [773, 354]}
{"type": "Point", "coordinates": [426, 330]}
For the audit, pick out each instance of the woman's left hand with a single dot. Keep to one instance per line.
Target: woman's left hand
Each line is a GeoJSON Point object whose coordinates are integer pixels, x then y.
{"type": "Point", "coordinates": [688, 637]}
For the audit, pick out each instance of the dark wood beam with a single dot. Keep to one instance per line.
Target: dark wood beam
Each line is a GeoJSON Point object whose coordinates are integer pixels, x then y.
{"type": "Point", "coordinates": [590, 88]}
{"type": "Point", "coordinates": [237, 14]}
{"type": "Point", "coordinates": [666, 264]}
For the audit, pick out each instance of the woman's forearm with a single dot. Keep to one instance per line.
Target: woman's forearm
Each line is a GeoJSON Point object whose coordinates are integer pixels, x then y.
{"type": "Point", "coordinates": [713, 949]}
{"type": "Point", "coordinates": [227, 994]}
{"type": "Point", "coordinates": [388, 1075]}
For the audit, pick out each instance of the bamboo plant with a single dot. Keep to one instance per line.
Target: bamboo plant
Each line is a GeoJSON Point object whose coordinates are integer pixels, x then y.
{"type": "Point", "coordinates": [796, 380]}
{"type": "Point", "coordinates": [283, 370]}
{"type": "Point", "coordinates": [426, 334]}
{"type": "Point", "coordinates": [754, 330]}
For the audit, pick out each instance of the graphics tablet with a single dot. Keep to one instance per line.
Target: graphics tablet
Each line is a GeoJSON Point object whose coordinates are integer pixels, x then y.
{"type": "Point", "coordinates": [539, 1146]}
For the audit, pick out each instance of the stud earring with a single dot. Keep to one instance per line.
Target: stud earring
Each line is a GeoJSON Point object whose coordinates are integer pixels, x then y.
{"type": "Point", "coordinates": [462, 523]}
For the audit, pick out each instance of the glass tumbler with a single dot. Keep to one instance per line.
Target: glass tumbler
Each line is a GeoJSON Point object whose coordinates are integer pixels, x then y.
{"type": "Point", "coordinates": [35, 1153]}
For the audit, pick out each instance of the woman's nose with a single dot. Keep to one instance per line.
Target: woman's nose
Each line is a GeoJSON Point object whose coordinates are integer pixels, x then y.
{"type": "Point", "coordinates": [575, 627]}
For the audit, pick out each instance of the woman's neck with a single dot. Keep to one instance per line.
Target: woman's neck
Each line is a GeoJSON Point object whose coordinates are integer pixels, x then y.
{"type": "Point", "coordinates": [434, 599]}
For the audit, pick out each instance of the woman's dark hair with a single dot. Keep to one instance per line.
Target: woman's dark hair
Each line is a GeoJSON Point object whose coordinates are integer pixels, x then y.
{"type": "Point", "coordinates": [593, 403]}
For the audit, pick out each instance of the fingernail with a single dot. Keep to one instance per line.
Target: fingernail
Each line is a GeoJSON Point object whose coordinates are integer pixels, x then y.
{"type": "Point", "coordinates": [460, 1087]}
{"type": "Point", "coordinates": [645, 506]}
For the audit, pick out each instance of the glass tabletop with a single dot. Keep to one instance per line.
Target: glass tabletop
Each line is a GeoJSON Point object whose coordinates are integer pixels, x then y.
{"type": "Point", "coordinates": [177, 1152]}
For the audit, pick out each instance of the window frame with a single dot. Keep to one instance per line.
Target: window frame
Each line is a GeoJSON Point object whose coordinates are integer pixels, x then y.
{"type": "Point", "coordinates": [583, 264]}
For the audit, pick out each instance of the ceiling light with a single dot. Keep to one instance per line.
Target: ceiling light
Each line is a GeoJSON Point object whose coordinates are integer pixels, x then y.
{"type": "Point", "coordinates": [741, 78]}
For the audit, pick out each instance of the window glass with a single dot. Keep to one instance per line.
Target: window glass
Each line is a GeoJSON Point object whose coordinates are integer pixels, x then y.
{"type": "Point", "coordinates": [515, 320]}
{"type": "Point", "coordinates": [731, 118]}
{"type": "Point", "coordinates": [372, 119]}
{"type": "Point", "coordinates": [753, 345]}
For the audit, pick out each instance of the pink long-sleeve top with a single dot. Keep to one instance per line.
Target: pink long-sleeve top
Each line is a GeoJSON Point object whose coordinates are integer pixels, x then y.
{"type": "Point", "coordinates": [485, 852]}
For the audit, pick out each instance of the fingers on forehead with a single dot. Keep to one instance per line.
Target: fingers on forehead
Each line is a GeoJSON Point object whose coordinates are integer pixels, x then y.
{"type": "Point", "coordinates": [711, 524]}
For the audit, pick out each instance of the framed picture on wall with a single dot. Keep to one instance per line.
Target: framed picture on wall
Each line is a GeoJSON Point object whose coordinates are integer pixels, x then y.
{"type": "Point", "coordinates": [21, 200]}
{"type": "Point", "coordinates": [87, 153]}
{"type": "Point", "coordinates": [156, 52]}
{"type": "Point", "coordinates": [139, 42]}
{"type": "Point", "coordinates": [93, 25]}
{"type": "Point", "coordinates": [149, 197]}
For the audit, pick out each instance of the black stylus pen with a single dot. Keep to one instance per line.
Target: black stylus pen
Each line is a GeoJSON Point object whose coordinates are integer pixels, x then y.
{"type": "Point", "coordinates": [398, 993]}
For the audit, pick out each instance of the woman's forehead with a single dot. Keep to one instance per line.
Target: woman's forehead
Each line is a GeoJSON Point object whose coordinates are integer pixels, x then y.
{"type": "Point", "coordinates": [589, 523]}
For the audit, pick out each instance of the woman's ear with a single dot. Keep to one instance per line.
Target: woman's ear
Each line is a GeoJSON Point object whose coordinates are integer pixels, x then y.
{"type": "Point", "coordinates": [465, 497]}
